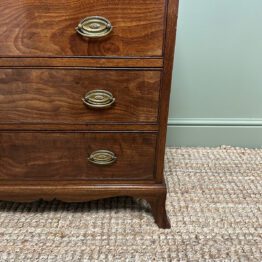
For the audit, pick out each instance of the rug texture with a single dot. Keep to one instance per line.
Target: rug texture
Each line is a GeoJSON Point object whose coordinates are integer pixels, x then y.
{"type": "Point", "coordinates": [214, 204]}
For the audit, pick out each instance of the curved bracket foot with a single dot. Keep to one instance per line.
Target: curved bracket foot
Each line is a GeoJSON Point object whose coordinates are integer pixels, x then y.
{"type": "Point", "coordinates": [155, 195]}
{"type": "Point", "coordinates": [158, 208]}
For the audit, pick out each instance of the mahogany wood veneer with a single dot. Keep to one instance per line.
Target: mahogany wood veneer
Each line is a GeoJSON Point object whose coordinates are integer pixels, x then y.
{"type": "Point", "coordinates": [84, 95]}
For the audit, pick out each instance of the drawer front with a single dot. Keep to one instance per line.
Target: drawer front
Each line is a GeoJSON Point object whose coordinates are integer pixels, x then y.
{"type": "Point", "coordinates": [59, 96]}
{"type": "Point", "coordinates": [64, 156]}
{"type": "Point", "coordinates": [48, 28]}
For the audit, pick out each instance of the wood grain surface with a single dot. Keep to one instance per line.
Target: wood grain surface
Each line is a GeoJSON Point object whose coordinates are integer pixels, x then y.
{"type": "Point", "coordinates": [64, 156]}
{"type": "Point", "coordinates": [47, 28]}
{"type": "Point", "coordinates": [47, 133]}
{"type": "Point", "coordinates": [125, 127]}
{"type": "Point", "coordinates": [155, 195]}
{"type": "Point", "coordinates": [94, 62]}
{"type": "Point", "coordinates": [54, 96]}
{"type": "Point", "coordinates": [170, 40]}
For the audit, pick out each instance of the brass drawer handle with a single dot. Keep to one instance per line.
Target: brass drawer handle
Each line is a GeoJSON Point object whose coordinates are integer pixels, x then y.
{"type": "Point", "coordinates": [94, 27]}
{"type": "Point", "coordinates": [102, 158]}
{"type": "Point", "coordinates": [99, 99]}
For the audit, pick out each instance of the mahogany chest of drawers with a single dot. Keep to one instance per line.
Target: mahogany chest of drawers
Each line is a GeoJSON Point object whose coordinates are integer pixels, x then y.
{"type": "Point", "coordinates": [84, 94]}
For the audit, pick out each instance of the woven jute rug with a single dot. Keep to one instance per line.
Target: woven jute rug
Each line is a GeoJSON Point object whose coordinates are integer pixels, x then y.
{"type": "Point", "coordinates": [214, 204]}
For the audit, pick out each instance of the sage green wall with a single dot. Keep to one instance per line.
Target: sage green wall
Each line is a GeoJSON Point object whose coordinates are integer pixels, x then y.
{"type": "Point", "coordinates": [217, 81]}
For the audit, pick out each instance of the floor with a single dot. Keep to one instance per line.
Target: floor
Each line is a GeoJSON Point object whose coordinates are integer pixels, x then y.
{"type": "Point", "coordinates": [214, 204]}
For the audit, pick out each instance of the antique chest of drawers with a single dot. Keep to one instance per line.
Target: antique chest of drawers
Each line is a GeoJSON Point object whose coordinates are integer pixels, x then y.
{"type": "Point", "coordinates": [84, 94]}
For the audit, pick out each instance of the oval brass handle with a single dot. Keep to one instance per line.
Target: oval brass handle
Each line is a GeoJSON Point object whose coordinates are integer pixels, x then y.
{"type": "Point", "coordinates": [102, 158]}
{"type": "Point", "coordinates": [99, 99]}
{"type": "Point", "coordinates": [94, 27]}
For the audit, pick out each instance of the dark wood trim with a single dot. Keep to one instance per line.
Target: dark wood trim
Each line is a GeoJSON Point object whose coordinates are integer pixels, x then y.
{"type": "Point", "coordinates": [80, 62]}
{"type": "Point", "coordinates": [154, 194]}
{"type": "Point", "coordinates": [155, 69]}
{"type": "Point", "coordinates": [89, 57]}
{"type": "Point", "coordinates": [76, 183]}
{"type": "Point", "coordinates": [134, 127]}
{"type": "Point", "coordinates": [78, 132]}
{"type": "Point", "coordinates": [166, 85]}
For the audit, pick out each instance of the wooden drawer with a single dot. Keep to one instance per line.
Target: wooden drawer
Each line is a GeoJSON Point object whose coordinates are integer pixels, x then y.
{"type": "Point", "coordinates": [64, 156]}
{"type": "Point", "coordinates": [47, 28]}
{"type": "Point", "coordinates": [54, 96]}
